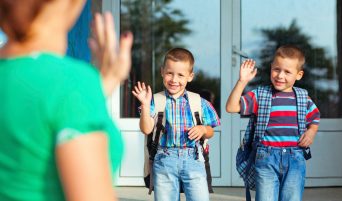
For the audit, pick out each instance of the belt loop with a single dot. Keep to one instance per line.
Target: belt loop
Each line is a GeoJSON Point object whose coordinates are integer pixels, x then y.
{"type": "Point", "coordinates": [269, 149]}
{"type": "Point", "coordinates": [292, 150]}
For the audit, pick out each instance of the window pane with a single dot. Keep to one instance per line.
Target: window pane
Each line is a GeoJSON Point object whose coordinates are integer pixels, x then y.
{"type": "Point", "coordinates": [80, 32]}
{"type": "Point", "coordinates": [160, 25]}
{"type": "Point", "coordinates": [312, 25]}
{"type": "Point", "coordinates": [2, 38]}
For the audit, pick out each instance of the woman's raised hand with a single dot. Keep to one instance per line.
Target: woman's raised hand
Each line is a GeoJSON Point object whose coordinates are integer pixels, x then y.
{"type": "Point", "coordinates": [113, 60]}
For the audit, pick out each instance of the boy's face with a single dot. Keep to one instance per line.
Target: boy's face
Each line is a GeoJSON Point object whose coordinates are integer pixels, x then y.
{"type": "Point", "coordinates": [284, 73]}
{"type": "Point", "coordinates": [176, 75]}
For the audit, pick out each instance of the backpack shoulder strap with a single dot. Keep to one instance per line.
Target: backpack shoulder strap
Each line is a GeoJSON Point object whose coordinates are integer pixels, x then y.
{"type": "Point", "coordinates": [159, 101]}
{"type": "Point", "coordinates": [152, 140]}
{"type": "Point", "coordinates": [264, 98]}
{"type": "Point", "coordinates": [159, 106]}
{"type": "Point", "coordinates": [195, 102]}
{"type": "Point", "coordinates": [195, 107]}
{"type": "Point", "coordinates": [302, 101]}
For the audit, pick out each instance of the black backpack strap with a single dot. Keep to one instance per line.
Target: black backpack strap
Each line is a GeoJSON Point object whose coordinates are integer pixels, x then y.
{"type": "Point", "coordinates": [197, 117]}
{"type": "Point", "coordinates": [198, 122]}
{"type": "Point", "coordinates": [154, 144]}
{"type": "Point", "coordinates": [201, 141]}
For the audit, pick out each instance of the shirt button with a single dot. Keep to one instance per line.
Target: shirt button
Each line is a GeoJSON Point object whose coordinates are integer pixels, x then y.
{"type": "Point", "coordinates": [284, 150]}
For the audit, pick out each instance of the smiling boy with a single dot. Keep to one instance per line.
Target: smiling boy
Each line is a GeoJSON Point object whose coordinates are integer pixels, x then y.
{"type": "Point", "coordinates": [288, 127]}
{"type": "Point", "coordinates": [177, 160]}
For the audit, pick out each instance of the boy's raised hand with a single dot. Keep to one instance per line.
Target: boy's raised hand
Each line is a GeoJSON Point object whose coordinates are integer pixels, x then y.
{"type": "Point", "coordinates": [247, 70]}
{"type": "Point", "coordinates": [143, 93]}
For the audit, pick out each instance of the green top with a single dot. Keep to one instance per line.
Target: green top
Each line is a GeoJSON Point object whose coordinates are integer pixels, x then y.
{"type": "Point", "coordinates": [46, 100]}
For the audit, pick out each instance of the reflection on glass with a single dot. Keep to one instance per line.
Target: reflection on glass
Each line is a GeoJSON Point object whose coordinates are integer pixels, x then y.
{"type": "Point", "coordinates": [160, 25]}
{"type": "Point", "coordinates": [79, 34]}
{"type": "Point", "coordinates": [267, 24]}
{"type": "Point", "coordinates": [3, 38]}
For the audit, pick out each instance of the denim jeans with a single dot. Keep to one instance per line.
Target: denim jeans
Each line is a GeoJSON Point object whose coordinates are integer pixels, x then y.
{"type": "Point", "coordinates": [173, 166]}
{"type": "Point", "coordinates": [280, 174]}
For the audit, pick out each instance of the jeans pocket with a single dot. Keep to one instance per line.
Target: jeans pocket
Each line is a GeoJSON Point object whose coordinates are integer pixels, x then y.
{"type": "Point", "coordinates": [261, 154]}
{"type": "Point", "coordinates": [159, 156]}
{"type": "Point", "coordinates": [298, 155]}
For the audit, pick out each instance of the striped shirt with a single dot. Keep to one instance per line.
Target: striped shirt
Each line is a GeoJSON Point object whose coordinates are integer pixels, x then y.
{"type": "Point", "coordinates": [282, 128]}
{"type": "Point", "coordinates": [179, 120]}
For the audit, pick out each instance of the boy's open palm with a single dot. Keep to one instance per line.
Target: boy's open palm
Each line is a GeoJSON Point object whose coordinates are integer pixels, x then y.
{"type": "Point", "coordinates": [143, 93]}
{"type": "Point", "coordinates": [247, 70]}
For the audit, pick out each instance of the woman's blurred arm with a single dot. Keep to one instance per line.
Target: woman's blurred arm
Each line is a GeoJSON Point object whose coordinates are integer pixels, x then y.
{"type": "Point", "coordinates": [84, 168]}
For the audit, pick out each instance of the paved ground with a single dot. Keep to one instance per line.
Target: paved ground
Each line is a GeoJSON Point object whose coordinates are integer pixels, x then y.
{"type": "Point", "coordinates": [231, 194]}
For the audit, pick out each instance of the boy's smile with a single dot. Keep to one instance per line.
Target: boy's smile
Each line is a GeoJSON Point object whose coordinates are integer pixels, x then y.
{"type": "Point", "coordinates": [176, 75]}
{"type": "Point", "coordinates": [284, 73]}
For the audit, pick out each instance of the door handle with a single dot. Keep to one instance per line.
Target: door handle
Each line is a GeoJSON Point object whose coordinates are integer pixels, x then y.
{"type": "Point", "coordinates": [240, 53]}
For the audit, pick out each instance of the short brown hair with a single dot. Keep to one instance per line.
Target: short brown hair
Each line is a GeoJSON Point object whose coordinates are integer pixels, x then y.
{"type": "Point", "coordinates": [292, 52]}
{"type": "Point", "coordinates": [179, 54]}
{"type": "Point", "coordinates": [16, 16]}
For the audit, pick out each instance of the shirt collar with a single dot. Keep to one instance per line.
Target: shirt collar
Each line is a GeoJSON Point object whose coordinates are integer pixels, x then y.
{"type": "Point", "coordinates": [185, 95]}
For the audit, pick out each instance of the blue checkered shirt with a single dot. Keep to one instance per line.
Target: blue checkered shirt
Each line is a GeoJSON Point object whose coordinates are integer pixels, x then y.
{"type": "Point", "coordinates": [179, 120]}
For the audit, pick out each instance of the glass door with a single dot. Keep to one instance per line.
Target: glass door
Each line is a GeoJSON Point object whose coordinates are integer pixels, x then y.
{"type": "Point", "coordinates": [158, 26]}
{"type": "Point", "coordinates": [314, 26]}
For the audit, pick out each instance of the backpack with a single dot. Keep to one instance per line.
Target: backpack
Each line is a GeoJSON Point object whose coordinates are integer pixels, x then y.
{"type": "Point", "coordinates": [152, 140]}
{"type": "Point", "coordinates": [245, 157]}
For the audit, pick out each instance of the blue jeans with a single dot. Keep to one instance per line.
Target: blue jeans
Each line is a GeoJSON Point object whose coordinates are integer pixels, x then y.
{"type": "Point", "coordinates": [173, 166]}
{"type": "Point", "coordinates": [280, 174]}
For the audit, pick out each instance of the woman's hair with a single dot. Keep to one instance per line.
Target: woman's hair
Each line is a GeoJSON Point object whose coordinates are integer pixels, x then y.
{"type": "Point", "coordinates": [16, 16]}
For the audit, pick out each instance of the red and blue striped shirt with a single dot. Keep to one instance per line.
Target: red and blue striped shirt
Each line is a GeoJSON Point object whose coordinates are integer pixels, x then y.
{"type": "Point", "coordinates": [282, 128]}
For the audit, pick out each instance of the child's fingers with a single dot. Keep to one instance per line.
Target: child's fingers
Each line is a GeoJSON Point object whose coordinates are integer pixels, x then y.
{"type": "Point", "coordinates": [149, 90]}
{"type": "Point", "coordinates": [302, 141]}
{"type": "Point", "coordinates": [194, 134]}
{"type": "Point", "coordinates": [139, 86]}
{"type": "Point", "coordinates": [253, 64]}
{"type": "Point", "coordinates": [198, 137]}
{"type": "Point", "coordinates": [254, 72]}
{"type": "Point", "coordinates": [248, 63]}
{"type": "Point", "coordinates": [244, 64]}
{"type": "Point", "coordinates": [301, 138]}
{"type": "Point", "coordinates": [143, 86]}
{"type": "Point", "coordinates": [191, 133]}
{"type": "Point", "coordinates": [135, 94]}
{"type": "Point", "coordinates": [136, 89]}
{"type": "Point", "coordinates": [305, 142]}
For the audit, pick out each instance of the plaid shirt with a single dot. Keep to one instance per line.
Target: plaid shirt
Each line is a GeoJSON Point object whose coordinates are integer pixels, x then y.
{"type": "Point", "coordinates": [179, 120]}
